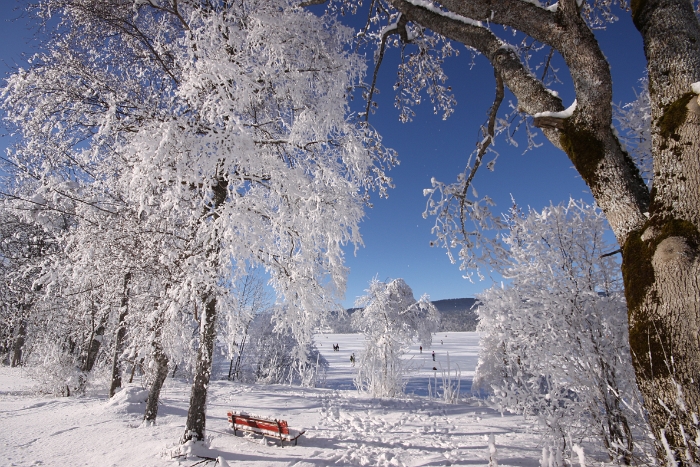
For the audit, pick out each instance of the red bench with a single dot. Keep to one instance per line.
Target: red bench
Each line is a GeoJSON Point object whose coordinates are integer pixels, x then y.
{"type": "Point", "coordinates": [269, 427]}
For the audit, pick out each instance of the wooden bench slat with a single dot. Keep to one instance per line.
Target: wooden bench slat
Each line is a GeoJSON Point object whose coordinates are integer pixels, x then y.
{"type": "Point", "coordinates": [263, 426]}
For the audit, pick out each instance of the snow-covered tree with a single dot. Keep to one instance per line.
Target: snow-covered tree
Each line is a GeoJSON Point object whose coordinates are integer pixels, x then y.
{"type": "Point", "coordinates": [391, 320]}
{"type": "Point", "coordinates": [251, 299]}
{"type": "Point", "coordinates": [634, 120]}
{"type": "Point", "coordinates": [23, 247]}
{"type": "Point", "coordinates": [555, 345]}
{"type": "Point", "coordinates": [222, 130]}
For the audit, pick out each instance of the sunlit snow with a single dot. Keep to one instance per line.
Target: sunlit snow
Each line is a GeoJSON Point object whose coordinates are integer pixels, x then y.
{"type": "Point", "coordinates": [344, 428]}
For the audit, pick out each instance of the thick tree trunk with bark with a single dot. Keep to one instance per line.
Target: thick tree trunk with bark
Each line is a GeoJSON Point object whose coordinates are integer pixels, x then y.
{"type": "Point", "coordinates": [161, 364]}
{"type": "Point", "coordinates": [120, 336]}
{"type": "Point", "coordinates": [161, 372]}
{"type": "Point", "coordinates": [661, 262]}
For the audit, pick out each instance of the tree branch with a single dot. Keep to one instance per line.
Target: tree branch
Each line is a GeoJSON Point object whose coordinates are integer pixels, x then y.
{"type": "Point", "coordinates": [483, 146]}
{"type": "Point", "coordinates": [532, 95]}
{"type": "Point", "coordinates": [399, 28]}
{"type": "Point", "coordinates": [608, 171]}
{"type": "Point", "coordinates": [309, 3]}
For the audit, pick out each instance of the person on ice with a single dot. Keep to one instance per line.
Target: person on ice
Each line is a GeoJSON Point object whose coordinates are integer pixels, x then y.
{"type": "Point", "coordinates": [433, 355]}
{"type": "Point", "coordinates": [421, 349]}
{"type": "Point", "coordinates": [352, 359]}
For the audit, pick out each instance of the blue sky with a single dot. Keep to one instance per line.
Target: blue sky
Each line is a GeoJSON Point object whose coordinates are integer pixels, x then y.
{"type": "Point", "coordinates": [397, 238]}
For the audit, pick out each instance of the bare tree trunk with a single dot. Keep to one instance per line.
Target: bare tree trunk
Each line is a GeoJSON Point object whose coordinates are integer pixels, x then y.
{"type": "Point", "coordinates": [161, 373]}
{"type": "Point", "coordinates": [94, 343]}
{"type": "Point", "coordinates": [18, 344]}
{"type": "Point", "coordinates": [617, 435]}
{"type": "Point", "coordinates": [235, 370]}
{"type": "Point", "coordinates": [661, 261]}
{"type": "Point", "coordinates": [196, 416]}
{"type": "Point", "coordinates": [93, 349]}
{"type": "Point", "coordinates": [161, 370]}
{"type": "Point", "coordinates": [133, 369]}
{"type": "Point", "coordinates": [119, 341]}
{"type": "Point", "coordinates": [90, 356]}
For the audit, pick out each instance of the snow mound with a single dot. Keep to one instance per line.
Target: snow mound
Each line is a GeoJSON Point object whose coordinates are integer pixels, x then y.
{"type": "Point", "coordinates": [129, 399]}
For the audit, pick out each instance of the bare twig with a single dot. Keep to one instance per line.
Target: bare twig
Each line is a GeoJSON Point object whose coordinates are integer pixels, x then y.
{"type": "Point", "coordinates": [546, 65]}
{"type": "Point", "coordinates": [308, 3]}
{"type": "Point", "coordinates": [483, 146]}
{"type": "Point", "coordinates": [204, 460]}
{"type": "Point", "coordinates": [399, 29]}
{"type": "Point", "coordinates": [619, 250]}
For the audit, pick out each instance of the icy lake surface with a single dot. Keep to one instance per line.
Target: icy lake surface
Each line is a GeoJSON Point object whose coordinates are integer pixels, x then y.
{"type": "Point", "coordinates": [457, 352]}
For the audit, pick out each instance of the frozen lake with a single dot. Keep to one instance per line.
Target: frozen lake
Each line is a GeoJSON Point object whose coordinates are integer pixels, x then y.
{"type": "Point", "coordinates": [461, 347]}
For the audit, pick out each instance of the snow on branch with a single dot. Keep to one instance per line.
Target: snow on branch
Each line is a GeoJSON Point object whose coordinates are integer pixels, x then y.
{"type": "Point", "coordinates": [554, 119]}
{"type": "Point", "coordinates": [447, 14]}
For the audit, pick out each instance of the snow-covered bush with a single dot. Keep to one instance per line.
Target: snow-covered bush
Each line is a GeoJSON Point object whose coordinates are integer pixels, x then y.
{"type": "Point", "coordinates": [390, 319]}
{"type": "Point", "coordinates": [57, 372]}
{"type": "Point", "coordinates": [275, 356]}
{"type": "Point", "coordinates": [555, 343]}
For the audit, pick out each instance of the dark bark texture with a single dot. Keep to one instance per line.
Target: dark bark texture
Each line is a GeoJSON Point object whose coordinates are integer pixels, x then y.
{"type": "Point", "coordinates": [93, 346]}
{"type": "Point", "coordinates": [196, 415]}
{"type": "Point", "coordinates": [18, 344]}
{"type": "Point", "coordinates": [120, 337]}
{"type": "Point", "coordinates": [161, 373]}
{"type": "Point", "coordinates": [661, 262]}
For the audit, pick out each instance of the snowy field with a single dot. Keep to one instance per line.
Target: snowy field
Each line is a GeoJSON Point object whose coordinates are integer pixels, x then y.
{"type": "Point", "coordinates": [462, 348]}
{"type": "Point", "coordinates": [344, 428]}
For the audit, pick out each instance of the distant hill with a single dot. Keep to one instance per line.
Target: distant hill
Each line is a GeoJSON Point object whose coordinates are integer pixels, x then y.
{"type": "Point", "coordinates": [456, 315]}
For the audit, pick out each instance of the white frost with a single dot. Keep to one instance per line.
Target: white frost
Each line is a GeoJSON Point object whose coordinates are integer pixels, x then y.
{"type": "Point", "coordinates": [551, 8]}
{"type": "Point", "coordinates": [447, 14]}
{"type": "Point", "coordinates": [566, 113]}
{"type": "Point", "coordinates": [579, 452]}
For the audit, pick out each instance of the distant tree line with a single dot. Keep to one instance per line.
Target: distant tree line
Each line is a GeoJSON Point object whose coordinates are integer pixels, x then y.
{"type": "Point", "coordinates": [456, 315]}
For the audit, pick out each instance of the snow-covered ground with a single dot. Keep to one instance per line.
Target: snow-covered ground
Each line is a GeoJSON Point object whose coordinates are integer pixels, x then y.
{"type": "Point", "coordinates": [344, 428]}
{"type": "Point", "coordinates": [462, 348]}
